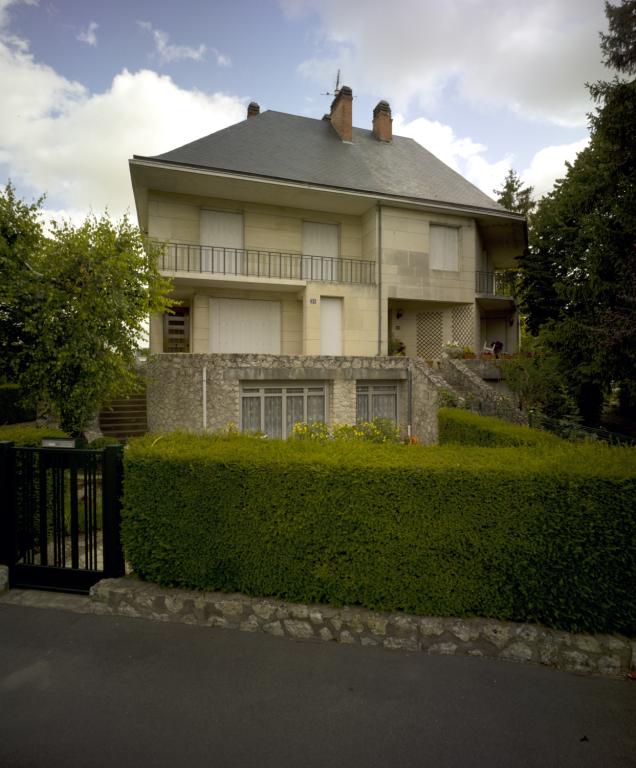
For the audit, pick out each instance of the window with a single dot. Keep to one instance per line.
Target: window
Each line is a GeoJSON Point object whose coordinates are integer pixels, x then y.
{"type": "Point", "coordinates": [444, 248]}
{"type": "Point", "coordinates": [320, 251]}
{"type": "Point", "coordinates": [376, 401]}
{"type": "Point", "coordinates": [176, 330]}
{"type": "Point", "coordinates": [222, 242]}
{"type": "Point", "coordinates": [274, 409]}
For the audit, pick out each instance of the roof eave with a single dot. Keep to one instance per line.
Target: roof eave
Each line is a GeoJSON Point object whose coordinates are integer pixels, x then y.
{"type": "Point", "coordinates": [140, 160]}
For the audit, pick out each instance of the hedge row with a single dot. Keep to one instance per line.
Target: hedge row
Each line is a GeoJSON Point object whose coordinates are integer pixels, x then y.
{"type": "Point", "coordinates": [544, 534]}
{"type": "Point", "coordinates": [28, 435]}
{"type": "Point", "coordinates": [467, 428]}
{"type": "Point", "coordinates": [12, 407]}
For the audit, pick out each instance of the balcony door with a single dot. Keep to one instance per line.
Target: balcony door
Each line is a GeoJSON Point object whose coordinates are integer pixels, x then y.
{"type": "Point", "coordinates": [222, 242]}
{"type": "Point", "coordinates": [320, 251]}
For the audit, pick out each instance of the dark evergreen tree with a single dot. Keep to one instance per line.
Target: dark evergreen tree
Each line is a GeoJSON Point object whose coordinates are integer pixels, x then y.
{"type": "Point", "coordinates": [579, 286]}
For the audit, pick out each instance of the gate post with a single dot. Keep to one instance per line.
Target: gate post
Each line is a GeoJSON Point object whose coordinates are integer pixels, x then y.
{"type": "Point", "coordinates": [112, 489]}
{"type": "Point", "coordinates": [7, 503]}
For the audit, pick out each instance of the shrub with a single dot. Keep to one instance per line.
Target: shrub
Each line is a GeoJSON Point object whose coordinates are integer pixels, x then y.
{"type": "Point", "coordinates": [13, 409]}
{"type": "Point", "coordinates": [103, 442]}
{"type": "Point", "coordinates": [28, 435]}
{"type": "Point", "coordinates": [468, 428]}
{"type": "Point", "coordinates": [376, 431]}
{"type": "Point", "coordinates": [544, 534]}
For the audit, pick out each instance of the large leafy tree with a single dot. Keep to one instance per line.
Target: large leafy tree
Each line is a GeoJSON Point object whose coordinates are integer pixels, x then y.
{"type": "Point", "coordinates": [579, 285]}
{"type": "Point", "coordinates": [73, 305]}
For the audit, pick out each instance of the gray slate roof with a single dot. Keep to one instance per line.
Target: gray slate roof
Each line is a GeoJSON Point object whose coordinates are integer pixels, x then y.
{"type": "Point", "coordinates": [282, 146]}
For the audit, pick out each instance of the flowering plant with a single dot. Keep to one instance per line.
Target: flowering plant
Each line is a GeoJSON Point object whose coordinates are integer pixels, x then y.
{"type": "Point", "coordinates": [453, 349]}
{"type": "Point", "coordinates": [376, 431]}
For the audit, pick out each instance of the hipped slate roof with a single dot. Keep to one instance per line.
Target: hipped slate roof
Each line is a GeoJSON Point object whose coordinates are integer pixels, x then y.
{"type": "Point", "coordinates": [300, 149]}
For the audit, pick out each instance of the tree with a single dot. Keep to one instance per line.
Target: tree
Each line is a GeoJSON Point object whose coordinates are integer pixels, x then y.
{"type": "Point", "coordinates": [579, 284]}
{"type": "Point", "coordinates": [619, 46]}
{"type": "Point", "coordinates": [514, 196]}
{"type": "Point", "coordinates": [73, 307]}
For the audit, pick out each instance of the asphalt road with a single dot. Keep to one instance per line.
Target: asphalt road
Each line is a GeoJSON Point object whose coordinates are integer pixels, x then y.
{"type": "Point", "coordinates": [83, 690]}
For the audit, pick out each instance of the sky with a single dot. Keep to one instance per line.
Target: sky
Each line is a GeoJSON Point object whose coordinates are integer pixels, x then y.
{"type": "Point", "coordinates": [486, 85]}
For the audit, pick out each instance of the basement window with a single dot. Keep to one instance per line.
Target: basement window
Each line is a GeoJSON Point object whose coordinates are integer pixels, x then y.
{"type": "Point", "coordinates": [376, 401]}
{"type": "Point", "coordinates": [275, 408]}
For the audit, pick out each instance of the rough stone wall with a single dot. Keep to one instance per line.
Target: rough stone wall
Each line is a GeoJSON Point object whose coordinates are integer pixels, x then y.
{"type": "Point", "coordinates": [485, 398]}
{"type": "Point", "coordinates": [4, 578]}
{"type": "Point", "coordinates": [175, 387]}
{"type": "Point", "coordinates": [609, 655]}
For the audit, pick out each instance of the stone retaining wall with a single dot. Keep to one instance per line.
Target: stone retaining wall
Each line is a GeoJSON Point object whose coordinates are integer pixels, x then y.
{"type": "Point", "coordinates": [175, 387]}
{"type": "Point", "coordinates": [4, 578]}
{"type": "Point", "coordinates": [484, 398]}
{"type": "Point", "coordinates": [608, 655]}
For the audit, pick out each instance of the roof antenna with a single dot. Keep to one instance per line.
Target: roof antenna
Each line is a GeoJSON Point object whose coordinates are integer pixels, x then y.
{"type": "Point", "coordinates": [336, 90]}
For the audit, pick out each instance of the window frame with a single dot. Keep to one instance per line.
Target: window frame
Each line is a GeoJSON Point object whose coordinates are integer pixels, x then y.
{"type": "Point", "coordinates": [371, 387]}
{"type": "Point", "coordinates": [267, 390]}
{"type": "Point", "coordinates": [458, 232]}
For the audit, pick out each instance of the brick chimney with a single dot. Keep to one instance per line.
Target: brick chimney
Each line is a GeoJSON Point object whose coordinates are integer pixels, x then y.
{"type": "Point", "coordinates": [382, 121]}
{"type": "Point", "coordinates": [341, 117]}
{"type": "Point", "coordinates": [253, 109]}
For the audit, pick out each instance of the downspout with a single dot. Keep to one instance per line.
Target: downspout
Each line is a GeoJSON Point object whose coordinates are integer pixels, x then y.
{"type": "Point", "coordinates": [379, 279]}
{"type": "Point", "coordinates": [204, 390]}
{"type": "Point", "coordinates": [409, 426]}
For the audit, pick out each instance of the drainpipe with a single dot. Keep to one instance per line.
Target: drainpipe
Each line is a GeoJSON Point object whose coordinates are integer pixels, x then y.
{"type": "Point", "coordinates": [409, 426]}
{"type": "Point", "coordinates": [379, 279]}
{"type": "Point", "coordinates": [204, 390]}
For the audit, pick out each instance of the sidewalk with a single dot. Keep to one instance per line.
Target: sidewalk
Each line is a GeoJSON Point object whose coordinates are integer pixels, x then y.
{"type": "Point", "coordinates": [90, 690]}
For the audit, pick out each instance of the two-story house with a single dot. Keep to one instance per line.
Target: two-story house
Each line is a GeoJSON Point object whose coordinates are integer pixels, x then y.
{"type": "Point", "coordinates": [319, 248]}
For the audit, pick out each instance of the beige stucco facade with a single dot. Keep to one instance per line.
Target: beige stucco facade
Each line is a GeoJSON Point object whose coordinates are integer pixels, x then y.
{"type": "Point", "coordinates": [406, 299]}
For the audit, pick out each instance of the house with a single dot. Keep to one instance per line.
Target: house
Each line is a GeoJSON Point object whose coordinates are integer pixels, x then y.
{"type": "Point", "coordinates": [305, 252]}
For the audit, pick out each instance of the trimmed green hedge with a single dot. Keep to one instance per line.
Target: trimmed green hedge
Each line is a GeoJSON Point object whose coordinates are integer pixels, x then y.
{"type": "Point", "coordinates": [467, 428]}
{"type": "Point", "coordinates": [526, 534]}
{"type": "Point", "coordinates": [12, 407]}
{"type": "Point", "coordinates": [28, 435]}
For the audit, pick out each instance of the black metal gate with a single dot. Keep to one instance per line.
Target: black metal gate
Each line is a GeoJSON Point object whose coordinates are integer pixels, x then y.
{"type": "Point", "coordinates": [60, 516]}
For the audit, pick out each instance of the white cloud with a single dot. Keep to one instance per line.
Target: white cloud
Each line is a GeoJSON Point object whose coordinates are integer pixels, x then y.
{"type": "Point", "coordinates": [4, 9]}
{"type": "Point", "coordinates": [89, 35]}
{"type": "Point", "coordinates": [470, 159]}
{"type": "Point", "coordinates": [548, 165]}
{"type": "Point", "coordinates": [221, 59]}
{"type": "Point", "coordinates": [169, 52]}
{"type": "Point", "coordinates": [462, 154]}
{"type": "Point", "coordinates": [532, 57]}
{"type": "Point", "coordinates": [58, 138]}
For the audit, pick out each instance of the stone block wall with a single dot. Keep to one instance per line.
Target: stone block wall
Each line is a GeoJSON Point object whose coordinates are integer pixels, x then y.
{"type": "Point", "coordinates": [610, 655]}
{"type": "Point", "coordinates": [176, 384]}
{"type": "Point", "coordinates": [483, 398]}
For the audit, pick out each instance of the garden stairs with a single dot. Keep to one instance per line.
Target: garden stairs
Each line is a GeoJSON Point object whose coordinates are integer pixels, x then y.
{"type": "Point", "coordinates": [124, 417]}
{"type": "Point", "coordinates": [471, 390]}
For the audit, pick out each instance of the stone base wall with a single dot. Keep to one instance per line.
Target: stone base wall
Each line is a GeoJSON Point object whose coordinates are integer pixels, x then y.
{"type": "Point", "coordinates": [176, 385]}
{"type": "Point", "coordinates": [483, 398]}
{"type": "Point", "coordinates": [608, 655]}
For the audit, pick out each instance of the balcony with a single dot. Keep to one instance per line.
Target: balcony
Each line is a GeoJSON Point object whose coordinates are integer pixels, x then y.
{"type": "Point", "coordinates": [503, 283]}
{"type": "Point", "coordinates": [273, 265]}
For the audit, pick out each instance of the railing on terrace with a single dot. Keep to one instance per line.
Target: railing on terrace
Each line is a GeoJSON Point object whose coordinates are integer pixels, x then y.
{"type": "Point", "coordinates": [249, 262]}
{"type": "Point", "coordinates": [502, 283]}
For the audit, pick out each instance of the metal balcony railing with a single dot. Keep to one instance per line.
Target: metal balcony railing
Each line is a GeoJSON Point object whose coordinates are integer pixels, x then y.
{"type": "Point", "coordinates": [502, 283]}
{"type": "Point", "coordinates": [278, 265]}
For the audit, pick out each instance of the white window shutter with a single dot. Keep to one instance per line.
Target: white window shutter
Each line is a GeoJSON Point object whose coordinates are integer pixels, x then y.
{"type": "Point", "coordinates": [320, 239]}
{"type": "Point", "coordinates": [444, 248]}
